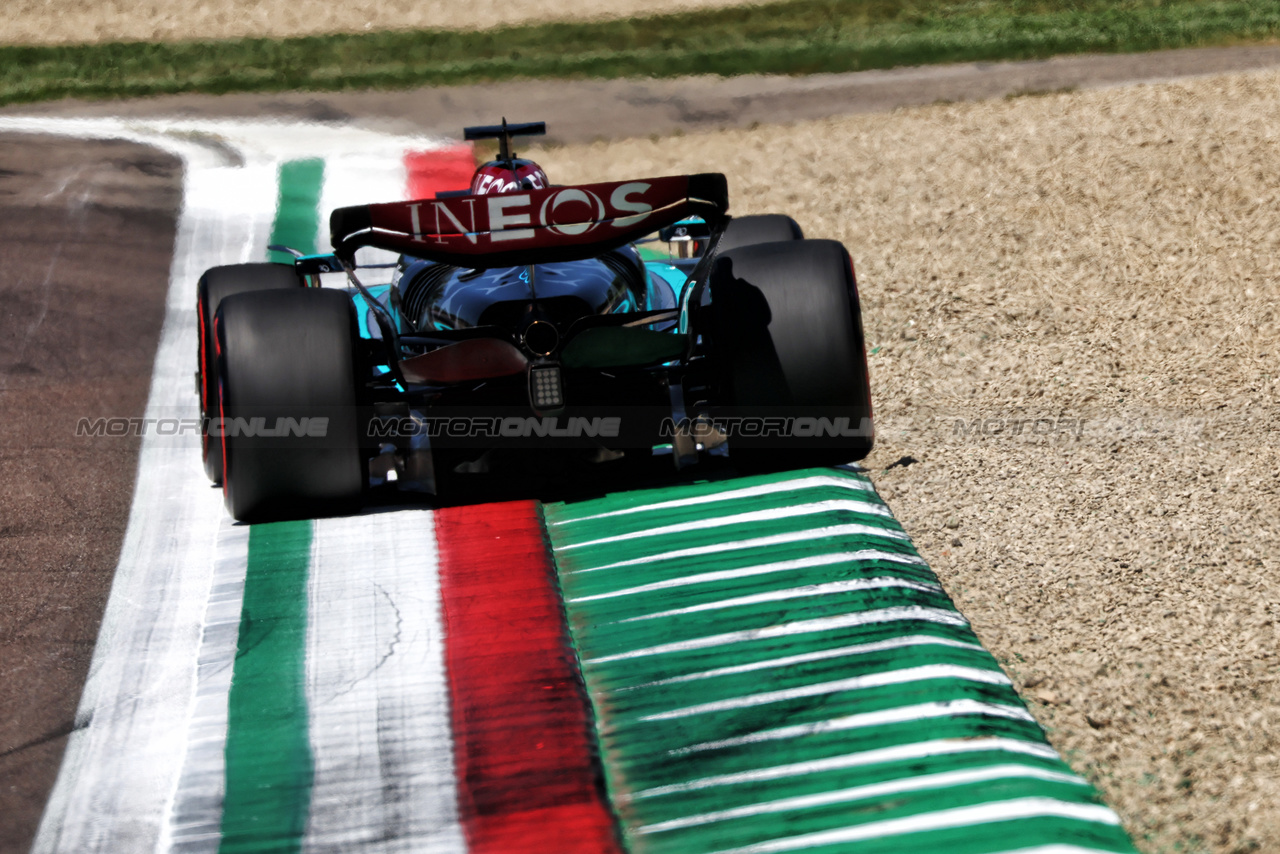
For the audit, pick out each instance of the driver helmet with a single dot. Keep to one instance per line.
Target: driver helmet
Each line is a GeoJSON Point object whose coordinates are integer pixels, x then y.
{"type": "Point", "coordinates": [496, 176]}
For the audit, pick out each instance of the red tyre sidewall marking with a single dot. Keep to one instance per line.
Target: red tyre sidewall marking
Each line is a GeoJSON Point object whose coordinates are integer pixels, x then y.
{"type": "Point", "coordinates": [222, 416]}
{"type": "Point", "coordinates": [204, 382]}
{"type": "Point", "coordinates": [529, 777]}
{"type": "Point", "coordinates": [204, 359]}
{"type": "Point", "coordinates": [866, 368]}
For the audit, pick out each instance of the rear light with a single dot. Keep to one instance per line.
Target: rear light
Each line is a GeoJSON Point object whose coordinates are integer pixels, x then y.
{"type": "Point", "coordinates": [546, 390]}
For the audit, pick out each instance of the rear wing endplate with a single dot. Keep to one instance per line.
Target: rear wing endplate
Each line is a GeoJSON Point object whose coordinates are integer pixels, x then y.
{"type": "Point", "coordinates": [534, 227]}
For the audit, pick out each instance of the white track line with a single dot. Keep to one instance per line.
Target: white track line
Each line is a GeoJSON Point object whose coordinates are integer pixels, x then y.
{"type": "Point", "coordinates": [1051, 849]}
{"type": "Point", "coordinates": [813, 534]}
{"type": "Point", "coordinates": [830, 588]}
{"type": "Point", "coordinates": [756, 516]}
{"type": "Point", "coordinates": [905, 676]}
{"type": "Point", "coordinates": [882, 717]}
{"type": "Point", "coordinates": [751, 571]}
{"type": "Point", "coordinates": [899, 753]}
{"type": "Point", "coordinates": [819, 655]}
{"type": "Point", "coordinates": [799, 483]}
{"type": "Point", "coordinates": [942, 780]}
{"type": "Point", "coordinates": [196, 812]}
{"type": "Point", "coordinates": [800, 627]}
{"type": "Point", "coordinates": [940, 820]}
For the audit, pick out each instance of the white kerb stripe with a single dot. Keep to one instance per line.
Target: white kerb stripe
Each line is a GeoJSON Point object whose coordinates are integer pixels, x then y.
{"type": "Point", "coordinates": [361, 179]}
{"type": "Point", "coordinates": [754, 516]}
{"type": "Point", "coordinates": [943, 780]}
{"type": "Point", "coordinates": [811, 535]}
{"type": "Point", "coordinates": [377, 693]}
{"type": "Point", "coordinates": [941, 820]}
{"type": "Point", "coordinates": [853, 683]}
{"type": "Point", "coordinates": [863, 555]}
{"type": "Point", "coordinates": [793, 485]}
{"type": "Point", "coordinates": [800, 627]}
{"type": "Point", "coordinates": [880, 756]}
{"type": "Point", "coordinates": [831, 588]}
{"type": "Point", "coordinates": [819, 655]}
{"type": "Point", "coordinates": [882, 717]}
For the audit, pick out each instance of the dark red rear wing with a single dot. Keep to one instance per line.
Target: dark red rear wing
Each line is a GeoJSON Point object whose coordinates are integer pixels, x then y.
{"type": "Point", "coordinates": [533, 227]}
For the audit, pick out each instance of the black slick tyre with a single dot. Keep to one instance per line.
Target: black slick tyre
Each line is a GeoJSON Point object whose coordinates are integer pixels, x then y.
{"type": "Point", "coordinates": [786, 330]}
{"type": "Point", "coordinates": [759, 228]}
{"type": "Point", "coordinates": [288, 404]}
{"type": "Point", "coordinates": [215, 285]}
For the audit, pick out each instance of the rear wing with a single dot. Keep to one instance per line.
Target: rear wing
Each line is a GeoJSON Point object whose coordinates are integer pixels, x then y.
{"type": "Point", "coordinates": [534, 227]}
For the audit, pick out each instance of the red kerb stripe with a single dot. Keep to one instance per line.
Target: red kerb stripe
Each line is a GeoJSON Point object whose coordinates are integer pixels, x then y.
{"type": "Point", "coordinates": [528, 776]}
{"type": "Point", "coordinates": [440, 170]}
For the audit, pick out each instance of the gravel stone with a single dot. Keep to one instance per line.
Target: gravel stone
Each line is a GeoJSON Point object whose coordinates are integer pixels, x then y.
{"type": "Point", "coordinates": [1071, 305]}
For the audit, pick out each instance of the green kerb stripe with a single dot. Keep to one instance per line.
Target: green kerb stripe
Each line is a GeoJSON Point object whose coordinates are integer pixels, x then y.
{"type": "Point", "coordinates": [268, 753]}
{"type": "Point", "coordinates": [773, 668]}
{"type": "Point", "coordinates": [297, 223]}
{"type": "Point", "coordinates": [269, 765]}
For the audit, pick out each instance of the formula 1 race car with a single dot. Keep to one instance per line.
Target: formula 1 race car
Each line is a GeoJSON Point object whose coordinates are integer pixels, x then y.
{"type": "Point", "coordinates": [531, 320]}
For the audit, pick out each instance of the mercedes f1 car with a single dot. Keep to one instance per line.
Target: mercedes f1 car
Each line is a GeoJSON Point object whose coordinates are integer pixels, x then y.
{"type": "Point", "coordinates": [529, 319]}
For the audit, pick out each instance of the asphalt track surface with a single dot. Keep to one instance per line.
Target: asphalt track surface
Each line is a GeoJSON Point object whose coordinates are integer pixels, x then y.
{"type": "Point", "coordinates": [89, 229]}
{"type": "Point", "coordinates": [88, 235]}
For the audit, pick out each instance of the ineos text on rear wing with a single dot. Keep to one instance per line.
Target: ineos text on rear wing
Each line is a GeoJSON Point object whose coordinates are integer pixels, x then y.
{"type": "Point", "coordinates": [534, 227]}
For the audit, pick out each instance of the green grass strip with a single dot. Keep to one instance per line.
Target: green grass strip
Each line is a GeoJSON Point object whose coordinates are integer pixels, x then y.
{"type": "Point", "coordinates": [269, 764]}
{"type": "Point", "coordinates": [799, 37]}
{"type": "Point", "coordinates": [297, 222]}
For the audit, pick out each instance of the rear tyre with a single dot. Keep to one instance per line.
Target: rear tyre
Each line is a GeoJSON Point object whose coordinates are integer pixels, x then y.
{"type": "Point", "coordinates": [216, 285]}
{"type": "Point", "coordinates": [787, 338]}
{"type": "Point", "coordinates": [288, 403]}
{"type": "Point", "coordinates": [759, 228]}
